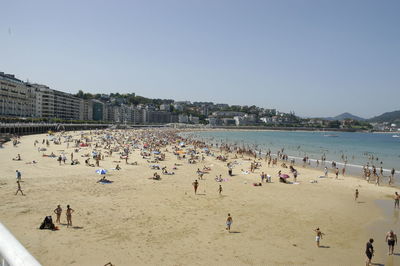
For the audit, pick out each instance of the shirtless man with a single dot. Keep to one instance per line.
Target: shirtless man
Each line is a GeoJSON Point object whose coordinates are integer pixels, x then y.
{"type": "Point", "coordinates": [337, 172]}
{"type": "Point", "coordinates": [319, 235]}
{"type": "Point", "coordinates": [69, 216]}
{"type": "Point", "coordinates": [195, 186]}
{"type": "Point", "coordinates": [356, 195]}
{"type": "Point", "coordinates": [229, 222]}
{"type": "Point", "coordinates": [396, 200]}
{"type": "Point", "coordinates": [58, 212]}
{"type": "Point", "coordinates": [391, 239]}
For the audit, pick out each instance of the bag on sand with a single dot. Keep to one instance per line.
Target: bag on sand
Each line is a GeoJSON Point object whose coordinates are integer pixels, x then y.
{"type": "Point", "coordinates": [47, 223]}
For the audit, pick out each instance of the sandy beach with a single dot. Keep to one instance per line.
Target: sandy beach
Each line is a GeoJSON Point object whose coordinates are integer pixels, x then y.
{"type": "Point", "coordinates": [136, 220]}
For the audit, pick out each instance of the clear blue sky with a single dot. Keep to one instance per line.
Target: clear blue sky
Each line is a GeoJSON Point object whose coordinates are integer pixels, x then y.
{"type": "Point", "coordinates": [316, 57]}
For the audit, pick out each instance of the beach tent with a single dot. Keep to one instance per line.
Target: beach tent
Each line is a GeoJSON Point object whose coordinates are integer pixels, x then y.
{"type": "Point", "coordinates": [101, 171]}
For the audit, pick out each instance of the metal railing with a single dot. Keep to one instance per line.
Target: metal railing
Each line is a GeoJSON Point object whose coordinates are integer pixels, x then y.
{"type": "Point", "coordinates": [12, 252]}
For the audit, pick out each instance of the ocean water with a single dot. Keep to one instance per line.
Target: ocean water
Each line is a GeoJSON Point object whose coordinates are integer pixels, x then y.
{"type": "Point", "coordinates": [358, 148]}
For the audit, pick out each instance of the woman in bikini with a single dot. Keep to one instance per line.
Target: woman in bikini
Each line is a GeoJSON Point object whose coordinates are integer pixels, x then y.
{"type": "Point", "coordinates": [58, 212]}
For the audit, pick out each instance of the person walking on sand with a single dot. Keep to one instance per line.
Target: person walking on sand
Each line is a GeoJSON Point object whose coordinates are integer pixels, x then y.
{"type": "Point", "coordinates": [326, 171]}
{"type": "Point", "coordinates": [69, 216]}
{"type": "Point", "coordinates": [391, 239]}
{"type": "Point", "coordinates": [19, 188]}
{"type": "Point", "coordinates": [229, 222]}
{"type": "Point", "coordinates": [356, 195]}
{"type": "Point", "coordinates": [58, 212]}
{"type": "Point", "coordinates": [369, 251]}
{"type": "Point", "coordinates": [396, 200]}
{"type": "Point", "coordinates": [318, 236]}
{"type": "Point", "coordinates": [195, 186]}
{"type": "Point", "coordinates": [220, 189]}
{"type": "Point", "coordinates": [337, 172]}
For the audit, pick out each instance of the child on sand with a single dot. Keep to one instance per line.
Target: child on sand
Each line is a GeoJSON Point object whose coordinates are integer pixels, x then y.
{"type": "Point", "coordinates": [356, 195]}
{"type": "Point", "coordinates": [369, 251]}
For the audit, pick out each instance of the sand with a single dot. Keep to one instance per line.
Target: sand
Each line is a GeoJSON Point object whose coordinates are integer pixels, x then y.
{"type": "Point", "coordinates": [140, 221]}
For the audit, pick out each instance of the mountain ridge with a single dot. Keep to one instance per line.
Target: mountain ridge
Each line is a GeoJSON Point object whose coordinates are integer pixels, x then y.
{"type": "Point", "coordinates": [391, 117]}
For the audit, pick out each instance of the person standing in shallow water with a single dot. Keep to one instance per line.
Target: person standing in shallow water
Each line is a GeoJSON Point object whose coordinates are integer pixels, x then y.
{"type": "Point", "coordinates": [396, 200]}
{"type": "Point", "coordinates": [369, 251]}
{"type": "Point", "coordinates": [391, 176]}
{"type": "Point", "coordinates": [391, 239]}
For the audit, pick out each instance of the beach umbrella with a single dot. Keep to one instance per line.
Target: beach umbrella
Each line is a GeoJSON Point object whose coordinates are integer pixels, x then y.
{"type": "Point", "coordinates": [284, 176]}
{"type": "Point", "coordinates": [101, 171]}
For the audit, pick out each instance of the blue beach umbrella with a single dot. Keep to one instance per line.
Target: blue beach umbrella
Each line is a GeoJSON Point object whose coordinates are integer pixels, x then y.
{"type": "Point", "coordinates": [101, 171]}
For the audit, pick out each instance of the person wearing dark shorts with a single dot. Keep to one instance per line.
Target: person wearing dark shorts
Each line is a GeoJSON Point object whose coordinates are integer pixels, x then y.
{"type": "Point", "coordinates": [396, 200]}
{"type": "Point", "coordinates": [369, 251]}
{"type": "Point", "coordinates": [391, 239]}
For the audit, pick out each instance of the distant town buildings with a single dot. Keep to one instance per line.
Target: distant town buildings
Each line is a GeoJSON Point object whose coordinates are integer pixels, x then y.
{"type": "Point", "coordinates": [36, 101]}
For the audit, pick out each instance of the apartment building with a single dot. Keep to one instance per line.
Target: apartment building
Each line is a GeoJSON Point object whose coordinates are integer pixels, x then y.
{"type": "Point", "coordinates": [44, 103]}
{"type": "Point", "coordinates": [51, 103]}
{"type": "Point", "coordinates": [86, 110]}
{"type": "Point", "coordinates": [16, 99]}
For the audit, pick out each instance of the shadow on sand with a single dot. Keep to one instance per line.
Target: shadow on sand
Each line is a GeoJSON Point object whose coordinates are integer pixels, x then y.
{"type": "Point", "coordinates": [77, 227]}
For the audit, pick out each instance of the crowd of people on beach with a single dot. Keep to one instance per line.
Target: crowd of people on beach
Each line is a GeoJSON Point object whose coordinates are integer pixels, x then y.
{"type": "Point", "coordinates": [154, 145]}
